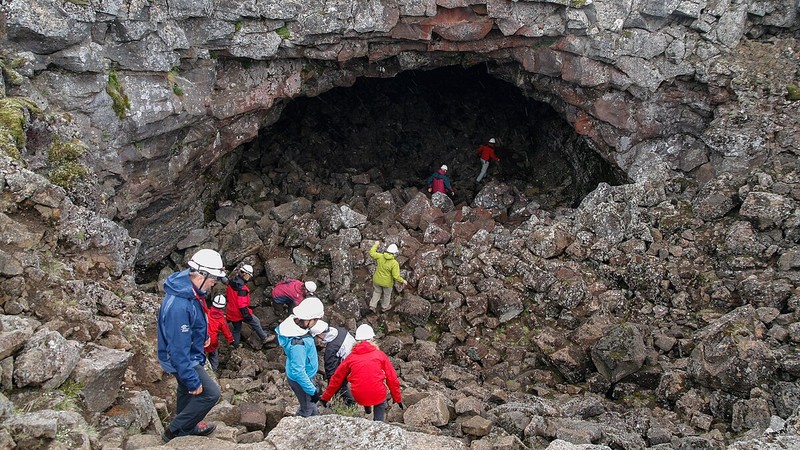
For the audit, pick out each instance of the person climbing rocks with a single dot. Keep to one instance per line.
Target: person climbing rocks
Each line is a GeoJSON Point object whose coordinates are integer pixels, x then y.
{"type": "Point", "coordinates": [338, 343]}
{"type": "Point", "coordinates": [369, 371]}
{"type": "Point", "coordinates": [238, 295]}
{"type": "Point", "coordinates": [386, 273]}
{"type": "Point", "coordinates": [291, 292]}
{"type": "Point", "coordinates": [302, 361]}
{"type": "Point", "coordinates": [486, 153]}
{"type": "Point", "coordinates": [217, 324]}
{"type": "Point", "coordinates": [182, 333]}
{"type": "Point", "coordinates": [440, 182]}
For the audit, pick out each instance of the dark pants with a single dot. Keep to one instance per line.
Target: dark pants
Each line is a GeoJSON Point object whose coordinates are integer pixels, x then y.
{"type": "Point", "coordinates": [284, 300]}
{"type": "Point", "coordinates": [191, 409]}
{"type": "Point", "coordinates": [213, 359]}
{"type": "Point", "coordinates": [307, 407]}
{"type": "Point", "coordinates": [379, 412]}
{"type": "Point", "coordinates": [254, 323]}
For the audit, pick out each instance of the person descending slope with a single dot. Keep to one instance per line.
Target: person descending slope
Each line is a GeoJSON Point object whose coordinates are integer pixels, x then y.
{"type": "Point", "coordinates": [440, 182]}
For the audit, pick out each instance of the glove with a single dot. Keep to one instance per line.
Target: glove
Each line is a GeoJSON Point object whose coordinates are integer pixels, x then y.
{"type": "Point", "coordinates": [401, 405]}
{"type": "Point", "coordinates": [316, 396]}
{"type": "Point", "coordinates": [245, 313]}
{"type": "Point", "coordinates": [323, 403]}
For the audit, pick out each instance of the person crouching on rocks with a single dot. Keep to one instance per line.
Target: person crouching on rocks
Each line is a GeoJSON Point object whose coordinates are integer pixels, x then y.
{"type": "Point", "coordinates": [367, 368]}
{"type": "Point", "coordinates": [302, 362]}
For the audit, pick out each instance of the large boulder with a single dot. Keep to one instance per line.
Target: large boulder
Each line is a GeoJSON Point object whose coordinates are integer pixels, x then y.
{"type": "Point", "coordinates": [620, 352]}
{"type": "Point", "coordinates": [101, 371]}
{"type": "Point", "coordinates": [47, 360]}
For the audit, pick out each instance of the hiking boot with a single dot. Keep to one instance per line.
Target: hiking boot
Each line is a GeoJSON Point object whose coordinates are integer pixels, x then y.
{"type": "Point", "coordinates": [168, 436]}
{"type": "Point", "coordinates": [269, 340]}
{"type": "Point", "coordinates": [203, 429]}
{"type": "Point", "coordinates": [368, 410]}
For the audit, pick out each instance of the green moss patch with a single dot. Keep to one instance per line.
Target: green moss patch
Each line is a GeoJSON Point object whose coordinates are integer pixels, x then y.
{"type": "Point", "coordinates": [793, 92]}
{"type": "Point", "coordinates": [117, 92]}
{"type": "Point", "coordinates": [13, 116]}
{"type": "Point", "coordinates": [68, 173]}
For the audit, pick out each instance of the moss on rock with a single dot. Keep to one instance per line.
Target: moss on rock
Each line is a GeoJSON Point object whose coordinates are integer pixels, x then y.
{"type": "Point", "coordinates": [13, 117]}
{"type": "Point", "coordinates": [68, 173]}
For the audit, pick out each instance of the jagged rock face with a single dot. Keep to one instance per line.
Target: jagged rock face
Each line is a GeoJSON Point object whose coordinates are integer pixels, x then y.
{"type": "Point", "coordinates": [636, 80]}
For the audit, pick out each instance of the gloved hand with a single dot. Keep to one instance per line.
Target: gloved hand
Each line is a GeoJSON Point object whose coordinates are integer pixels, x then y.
{"type": "Point", "coordinates": [323, 403]}
{"type": "Point", "coordinates": [430, 190]}
{"type": "Point", "coordinates": [316, 396]}
{"type": "Point", "coordinates": [401, 405]}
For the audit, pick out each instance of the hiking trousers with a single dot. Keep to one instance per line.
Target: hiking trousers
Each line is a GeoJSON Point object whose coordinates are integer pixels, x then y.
{"type": "Point", "coordinates": [191, 409]}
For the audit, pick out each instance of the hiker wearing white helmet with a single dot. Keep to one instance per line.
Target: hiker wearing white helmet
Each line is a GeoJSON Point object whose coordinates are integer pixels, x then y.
{"type": "Point", "coordinates": [216, 325]}
{"type": "Point", "coordinates": [302, 361]}
{"type": "Point", "coordinates": [369, 371]}
{"type": "Point", "coordinates": [338, 343]}
{"type": "Point", "coordinates": [239, 311]}
{"type": "Point", "coordinates": [486, 153]}
{"type": "Point", "coordinates": [386, 274]}
{"type": "Point", "coordinates": [440, 182]}
{"type": "Point", "coordinates": [182, 333]}
{"type": "Point", "coordinates": [292, 292]}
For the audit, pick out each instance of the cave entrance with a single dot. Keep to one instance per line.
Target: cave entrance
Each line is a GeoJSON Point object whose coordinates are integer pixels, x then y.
{"type": "Point", "coordinates": [403, 128]}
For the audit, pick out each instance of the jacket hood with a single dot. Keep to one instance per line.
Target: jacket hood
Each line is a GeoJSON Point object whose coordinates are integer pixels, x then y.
{"type": "Point", "coordinates": [441, 172]}
{"type": "Point", "coordinates": [387, 256]}
{"type": "Point", "coordinates": [179, 284]}
{"type": "Point", "coordinates": [364, 347]}
{"type": "Point", "coordinates": [288, 329]}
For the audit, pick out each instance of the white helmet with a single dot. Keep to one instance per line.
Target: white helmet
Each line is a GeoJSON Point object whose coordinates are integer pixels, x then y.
{"type": "Point", "coordinates": [311, 287]}
{"type": "Point", "coordinates": [492, 141]}
{"type": "Point", "coordinates": [208, 261]}
{"type": "Point", "coordinates": [219, 301]}
{"type": "Point", "coordinates": [310, 308]}
{"type": "Point", "coordinates": [248, 269]}
{"type": "Point", "coordinates": [364, 332]}
{"type": "Point", "coordinates": [444, 167]}
{"type": "Point", "coordinates": [319, 328]}
{"type": "Point", "coordinates": [392, 248]}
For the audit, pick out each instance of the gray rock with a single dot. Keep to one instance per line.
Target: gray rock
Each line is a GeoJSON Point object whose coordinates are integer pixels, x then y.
{"type": "Point", "coordinates": [620, 352]}
{"type": "Point", "coordinates": [135, 411]}
{"type": "Point", "coordinates": [284, 212]}
{"type": "Point", "coordinates": [253, 416]}
{"type": "Point", "coordinates": [476, 426]}
{"type": "Point", "coordinates": [413, 210]}
{"type": "Point", "coordinates": [415, 308]}
{"type": "Point", "coordinates": [47, 360]}
{"type": "Point", "coordinates": [316, 432]}
{"type": "Point", "coordinates": [100, 371]}
{"type": "Point", "coordinates": [14, 333]}
{"type": "Point", "coordinates": [766, 209]}
{"type": "Point", "coordinates": [431, 410]}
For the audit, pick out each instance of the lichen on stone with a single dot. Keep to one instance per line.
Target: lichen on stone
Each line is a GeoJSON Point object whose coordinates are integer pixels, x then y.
{"type": "Point", "coordinates": [63, 151]}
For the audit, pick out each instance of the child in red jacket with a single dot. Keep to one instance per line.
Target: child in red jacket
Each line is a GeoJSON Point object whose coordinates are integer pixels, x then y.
{"type": "Point", "coordinates": [217, 323]}
{"type": "Point", "coordinates": [366, 368]}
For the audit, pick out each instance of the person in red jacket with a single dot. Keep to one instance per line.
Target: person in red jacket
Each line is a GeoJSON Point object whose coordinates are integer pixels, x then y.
{"type": "Point", "coordinates": [238, 295]}
{"type": "Point", "coordinates": [440, 182]}
{"type": "Point", "coordinates": [216, 324]}
{"type": "Point", "coordinates": [292, 292]}
{"type": "Point", "coordinates": [367, 368]}
{"type": "Point", "coordinates": [487, 153]}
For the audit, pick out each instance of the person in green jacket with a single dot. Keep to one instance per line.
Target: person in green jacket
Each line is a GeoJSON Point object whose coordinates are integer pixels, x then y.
{"type": "Point", "coordinates": [387, 272]}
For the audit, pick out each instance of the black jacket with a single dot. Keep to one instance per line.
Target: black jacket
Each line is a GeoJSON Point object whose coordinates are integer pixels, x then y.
{"type": "Point", "coordinates": [331, 349]}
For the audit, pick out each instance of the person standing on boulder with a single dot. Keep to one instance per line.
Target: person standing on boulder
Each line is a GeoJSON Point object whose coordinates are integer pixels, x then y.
{"type": "Point", "coordinates": [486, 153]}
{"type": "Point", "coordinates": [238, 295]}
{"type": "Point", "coordinates": [440, 182]}
{"type": "Point", "coordinates": [386, 273]}
{"type": "Point", "coordinates": [216, 325]}
{"type": "Point", "coordinates": [369, 371]}
{"type": "Point", "coordinates": [182, 334]}
{"type": "Point", "coordinates": [302, 362]}
{"type": "Point", "coordinates": [338, 343]}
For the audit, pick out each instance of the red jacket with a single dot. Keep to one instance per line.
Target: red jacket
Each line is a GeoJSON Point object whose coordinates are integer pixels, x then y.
{"type": "Point", "coordinates": [487, 153]}
{"type": "Point", "coordinates": [366, 368]}
{"type": "Point", "coordinates": [217, 323]}
{"type": "Point", "coordinates": [295, 289]}
{"type": "Point", "coordinates": [238, 295]}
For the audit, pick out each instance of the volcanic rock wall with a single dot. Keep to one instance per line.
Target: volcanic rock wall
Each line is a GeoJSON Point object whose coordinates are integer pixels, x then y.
{"type": "Point", "coordinates": [162, 92]}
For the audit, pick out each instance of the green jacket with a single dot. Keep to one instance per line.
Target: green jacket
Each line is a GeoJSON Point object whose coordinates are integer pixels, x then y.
{"type": "Point", "coordinates": [388, 270]}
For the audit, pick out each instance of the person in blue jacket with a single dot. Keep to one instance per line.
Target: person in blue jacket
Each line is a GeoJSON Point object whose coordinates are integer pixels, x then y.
{"type": "Point", "coordinates": [182, 333]}
{"type": "Point", "coordinates": [302, 362]}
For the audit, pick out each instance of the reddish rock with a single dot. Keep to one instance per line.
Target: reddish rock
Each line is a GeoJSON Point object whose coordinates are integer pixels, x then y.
{"type": "Point", "coordinates": [412, 31]}
{"type": "Point", "coordinates": [459, 24]}
{"type": "Point", "coordinates": [584, 71]}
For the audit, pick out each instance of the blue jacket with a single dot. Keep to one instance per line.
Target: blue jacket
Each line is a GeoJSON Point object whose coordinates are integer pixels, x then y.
{"type": "Point", "coordinates": [302, 362]}
{"type": "Point", "coordinates": [182, 330]}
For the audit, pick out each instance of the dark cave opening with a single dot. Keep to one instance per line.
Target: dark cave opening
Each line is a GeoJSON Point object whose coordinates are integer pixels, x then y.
{"type": "Point", "coordinates": [402, 129]}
